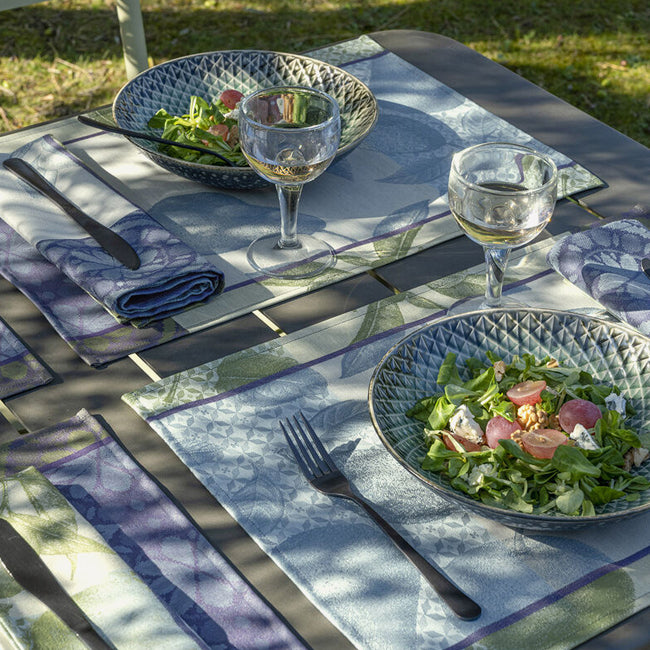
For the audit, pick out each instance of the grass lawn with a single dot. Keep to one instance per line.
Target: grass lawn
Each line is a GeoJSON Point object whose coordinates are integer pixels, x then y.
{"type": "Point", "coordinates": [63, 56]}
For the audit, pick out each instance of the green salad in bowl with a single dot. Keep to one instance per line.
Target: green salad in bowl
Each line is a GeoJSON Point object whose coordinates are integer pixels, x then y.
{"type": "Point", "coordinates": [536, 418]}
{"type": "Point", "coordinates": [213, 125]}
{"type": "Point", "coordinates": [531, 435]}
{"type": "Point", "coordinates": [190, 99]}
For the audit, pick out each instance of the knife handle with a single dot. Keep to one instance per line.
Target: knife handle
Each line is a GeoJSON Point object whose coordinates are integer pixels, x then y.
{"type": "Point", "coordinates": [110, 241]}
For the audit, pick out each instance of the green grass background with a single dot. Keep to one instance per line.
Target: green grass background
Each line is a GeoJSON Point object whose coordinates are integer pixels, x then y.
{"type": "Point", "coordinates": [63, 56]}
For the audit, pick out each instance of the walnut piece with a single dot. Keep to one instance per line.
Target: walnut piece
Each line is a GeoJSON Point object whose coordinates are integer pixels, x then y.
{"type": "Point", "coordinates": [516, 436]}
{"type": "Point", "coordinates": [532, 417]}
{"type": "Point", "coordinates": [635, 457]}
{"type": "Point", "coordinates": [499, 370]}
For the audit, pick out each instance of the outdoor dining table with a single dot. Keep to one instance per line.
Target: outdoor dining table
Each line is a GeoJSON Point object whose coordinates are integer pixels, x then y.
{"type": "Point", "coordinates": [191, 415]}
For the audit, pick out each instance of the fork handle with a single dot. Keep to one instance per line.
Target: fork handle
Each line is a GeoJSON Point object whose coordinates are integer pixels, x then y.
{"type": "Point", "coordinates": [462, 605]}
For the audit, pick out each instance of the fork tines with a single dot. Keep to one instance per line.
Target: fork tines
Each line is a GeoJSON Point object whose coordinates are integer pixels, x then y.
{"type": "Point", "coordinates": [309, 451]}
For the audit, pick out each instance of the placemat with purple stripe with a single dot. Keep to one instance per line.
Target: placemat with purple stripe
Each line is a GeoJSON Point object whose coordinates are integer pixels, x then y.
{"type": "Point", "coordinates": [383, 201]}
{"type": "Point", "coordinates": [545, 589]}
{"type": "Point", "coordinates": [20, 370]}
{"type": "Point", "coordinates": [150, 533]}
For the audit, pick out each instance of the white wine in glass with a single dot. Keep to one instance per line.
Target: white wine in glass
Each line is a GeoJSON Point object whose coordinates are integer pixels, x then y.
{"type": "Point", "coordinates": [502, 195]}
{"type": "Point", "coordinates": [289, 135]}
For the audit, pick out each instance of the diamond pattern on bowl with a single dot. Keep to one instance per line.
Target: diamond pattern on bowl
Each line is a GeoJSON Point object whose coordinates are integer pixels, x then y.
{"type": "Point", "coordinates": [171, 84]}
{"type": "Point", "coordinates": [614, 354]}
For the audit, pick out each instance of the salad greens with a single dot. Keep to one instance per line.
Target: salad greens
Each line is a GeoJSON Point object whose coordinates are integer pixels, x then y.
{"type": "Point", "coordinates": [210, 125]}
{"type": "Point", "coordinates": [574, 481]}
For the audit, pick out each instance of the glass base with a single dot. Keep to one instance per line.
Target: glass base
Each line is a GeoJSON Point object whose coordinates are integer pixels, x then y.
{"type": "Point", "coordinates": [504, 303]}
{"type": "Point", "coordinates": [479, 303]}
{"type": "Point", "coordinates": [311, 257]}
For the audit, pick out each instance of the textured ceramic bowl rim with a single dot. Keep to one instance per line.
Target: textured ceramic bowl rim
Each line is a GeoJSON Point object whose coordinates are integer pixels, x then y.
{"type": "Point", "coordinates": [507, 516]}
{"type": "Point", "coordinates": [150, 147]}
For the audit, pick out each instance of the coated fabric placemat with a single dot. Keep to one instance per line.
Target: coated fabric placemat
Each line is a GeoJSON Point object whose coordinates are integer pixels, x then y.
{"type": "Point", "coordinates": [150, 534]}
{"type": "Point", "coordinates": [20, 370]}
{"type": "Point", "coordinates": [91, 573]}
{"type": "Point", "coordinates": [381, 202]}
{"type": "Point", "coordinates": [543, 590]}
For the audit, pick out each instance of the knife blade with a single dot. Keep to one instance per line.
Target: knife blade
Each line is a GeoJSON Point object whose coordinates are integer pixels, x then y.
{"type": "Point", "coordinates": [645, 265]}
{"type": "Point", "coordinates": [29, 570]}
{"type": "Point", "coordinates": [110, 241]}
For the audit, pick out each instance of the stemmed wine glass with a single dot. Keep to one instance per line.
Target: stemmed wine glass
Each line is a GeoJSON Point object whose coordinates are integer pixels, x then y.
{"type": "Point", "coordinates": [289, 135]}
{"type": "Point", "coordinates": [502, 195]}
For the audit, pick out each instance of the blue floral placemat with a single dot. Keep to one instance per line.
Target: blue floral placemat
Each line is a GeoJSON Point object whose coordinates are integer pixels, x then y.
{"type": "Point", "coordinates": [542, 590]}
{"type": "Point", "coordinates": [381, 202]}
{"type": "Point", "coordinates": [131, 513]}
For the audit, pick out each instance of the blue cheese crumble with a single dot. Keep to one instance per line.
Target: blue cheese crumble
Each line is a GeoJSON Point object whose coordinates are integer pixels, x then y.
{"type": "Point", "coordinates": [462, 423]}
{"type": "Point", "coordinates": [477, 476]}
{"type": "Point", "coordinates": [615, 402]}
{"type": "Point", "coordinates": [583, 438]}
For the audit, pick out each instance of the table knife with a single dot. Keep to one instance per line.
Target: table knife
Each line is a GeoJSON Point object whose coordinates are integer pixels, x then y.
{"type": "Point", "coordinates": [110, 241]}
{"type": "Point", "coordinates": [29, 570]}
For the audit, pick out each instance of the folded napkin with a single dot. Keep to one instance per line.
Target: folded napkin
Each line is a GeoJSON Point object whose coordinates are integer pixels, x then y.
{"type": "Point", "coordinates": [119, 604]}
{"type": "Point", "coordinates": [605, 262]}
{"type": "Point", "coordinates": [172, 276]}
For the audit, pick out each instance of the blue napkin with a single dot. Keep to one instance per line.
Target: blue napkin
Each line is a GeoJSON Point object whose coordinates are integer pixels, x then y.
{"type": "Point", "coordinates": [172, 276]}
{"type": "Point", "coordinates": [605, 262]}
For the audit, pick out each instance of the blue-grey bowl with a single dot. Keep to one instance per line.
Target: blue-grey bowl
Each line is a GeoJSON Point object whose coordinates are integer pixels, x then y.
{"type": "Point", "coordinates": [614, 354]}
{"type": "Point", "coordinates": [170, 85]}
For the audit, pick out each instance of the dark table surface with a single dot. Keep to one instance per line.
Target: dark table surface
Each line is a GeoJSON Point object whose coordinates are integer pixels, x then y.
{"type": "Point", "coordinates": [624, 165]}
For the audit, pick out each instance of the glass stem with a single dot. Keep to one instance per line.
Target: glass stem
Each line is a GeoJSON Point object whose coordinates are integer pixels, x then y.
{"type": "Point", "coordinates": [289, 196]}
{"type": "Point", "coordinates": [496, 260]}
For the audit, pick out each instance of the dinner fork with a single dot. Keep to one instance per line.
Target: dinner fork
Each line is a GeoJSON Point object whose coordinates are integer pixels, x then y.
{"type": "Point", "coordinates": [319, 469]}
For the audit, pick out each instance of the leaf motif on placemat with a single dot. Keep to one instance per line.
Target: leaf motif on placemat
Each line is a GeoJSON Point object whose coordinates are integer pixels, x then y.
{"type": "Point", "coordinates": [376, 320]}
{"type": "Point", "coordinates": [327, 277]}
{"type": "Point", "coordinates": [472, 284]}
{"type": "Point", "coordinates": [53, 528]}
{"type": "Point", "coordinates": [8, 588]}
{"type": "Point", "coordinates": [14, 370]}
{"type": "Point", "coordinates": [236, 372]}
{"type": "Point", "coordinates": [49, 631]}
{"type": "Point", "coordinates": [397, 246]}
{"type": "Point", "coordinates": [421, 302]}
{"type": "Point", "coordinates": [379, 317]}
